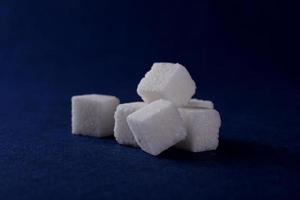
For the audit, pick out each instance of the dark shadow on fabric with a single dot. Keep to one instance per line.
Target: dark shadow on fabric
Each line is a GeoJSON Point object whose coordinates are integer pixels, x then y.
{"type": "Point", "coordinates": [239, 153]}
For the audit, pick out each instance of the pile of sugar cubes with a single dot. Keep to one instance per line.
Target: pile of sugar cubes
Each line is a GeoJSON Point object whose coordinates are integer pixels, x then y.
{"type": "Point", "coordinates": [167, 116]}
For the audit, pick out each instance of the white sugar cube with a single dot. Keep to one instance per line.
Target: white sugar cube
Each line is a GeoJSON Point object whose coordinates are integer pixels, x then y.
{"type": "Point", "coordinates": [122, 132]}
{"type": "Point", "coordinates": [198, 103]}
{"type": "Point", "coordinates": [157, 126]}
{"type": "Point", "coordinates": [202, 129]}
{"type": "Point", "coordinates": [167, 81]}
{"type": "Point", "coordinates": [93, 114]}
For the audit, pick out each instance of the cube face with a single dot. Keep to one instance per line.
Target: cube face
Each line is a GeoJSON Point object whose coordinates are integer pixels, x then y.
{"type": "Point", "coordinates": [198, 103]}
{"type": "Point", "coordinates": [92, 115]}
{"type": "Point", "coordinates": [202, 129]}
{"type": "Point", "coordinates": [122, 131]}
{"type": "Point", "coordinates": [85, 117]}
{"type": "Point", "coordinates": [167, 81]}
{"type": "Point", "coordinates": [157, 126]}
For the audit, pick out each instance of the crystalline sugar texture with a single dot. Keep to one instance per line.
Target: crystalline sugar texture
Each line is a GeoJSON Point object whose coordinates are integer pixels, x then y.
{"type": "Point", "coordinates": [122, 132]}
{"type": "Point", "coordinates": [197, 103]}
{"type": "Point", "coordinates": [202, 129]}
{"type": "Point", "coordinates": [93, 114]}
{"type": "Point", "coordinates": [157, 126]}
{"type": "Point", "coordinates": [167, 81]}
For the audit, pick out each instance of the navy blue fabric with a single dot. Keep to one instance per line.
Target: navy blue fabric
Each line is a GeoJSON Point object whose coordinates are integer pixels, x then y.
{"type": "Point", "coordinates": [242, 55]}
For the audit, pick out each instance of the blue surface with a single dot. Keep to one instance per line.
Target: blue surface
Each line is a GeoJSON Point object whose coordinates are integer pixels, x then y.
{"type": "Point", "coordinates": [241, 56]}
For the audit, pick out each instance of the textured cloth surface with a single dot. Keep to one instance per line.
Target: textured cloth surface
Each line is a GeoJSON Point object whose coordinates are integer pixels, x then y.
{"type": "Point", "coordinates": [258, 156]}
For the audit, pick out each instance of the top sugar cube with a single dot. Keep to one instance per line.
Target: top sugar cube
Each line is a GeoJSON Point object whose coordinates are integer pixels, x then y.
{"type": "Point", "coordinates": [167, 81]}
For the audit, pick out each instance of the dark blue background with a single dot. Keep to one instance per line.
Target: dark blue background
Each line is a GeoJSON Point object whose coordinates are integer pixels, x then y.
{"type": "Point", "coordinates": [242, 54]}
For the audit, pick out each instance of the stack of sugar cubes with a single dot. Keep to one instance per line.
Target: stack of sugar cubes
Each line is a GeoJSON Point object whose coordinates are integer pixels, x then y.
{"type": "Point", "coordinates": [167, 116]}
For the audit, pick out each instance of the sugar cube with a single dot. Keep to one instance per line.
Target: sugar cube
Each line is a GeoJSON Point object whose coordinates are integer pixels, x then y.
{"type": "Point", "coordinates": [202, 129]}
{"type": "Point", "coordinates": [157, 126]}
{"type": "Point", "coordinates": [122, 132]}
{"type": "Point", "coordinates": [93, 114]}
{"type": "Point", "coordinates": [198, 103]}
{"type": "Point", "coordinates": [167, 81]}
